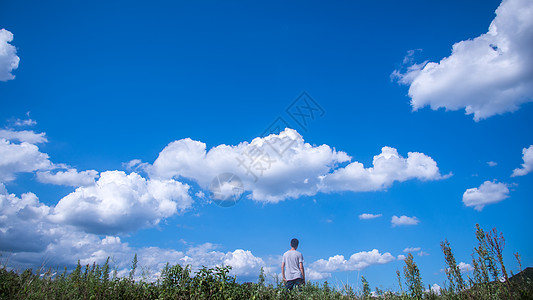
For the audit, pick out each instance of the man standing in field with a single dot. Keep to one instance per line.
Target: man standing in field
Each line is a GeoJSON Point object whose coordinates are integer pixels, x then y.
{"type": "Point", "coordinates": [292, 267]}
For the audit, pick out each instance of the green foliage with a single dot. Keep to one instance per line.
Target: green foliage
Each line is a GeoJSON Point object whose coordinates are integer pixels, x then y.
{"type": "Point", "coordinates": [366, 288]}
{"type": "Point", "coordinates": [452, 271]}
{"type": "Point", "coordinates": [412, 277]}
{"type": "Point", "coordinates": [180, 282]}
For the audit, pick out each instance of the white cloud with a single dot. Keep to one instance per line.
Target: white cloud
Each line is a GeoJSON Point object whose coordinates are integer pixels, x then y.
{"type": "Point", "coordinates": [401, 257]}
{"type": "Point", "coordinates": [415, 249]}
{"type": "Point", "coordinates": [492, 163]}
{"type": "Point", "coordinates": [293, 174]}
{"type": "Point", "coordinates": [369, 216]}
{"type": "Point", "coordinates": [301, 170]}
{"type": "Point", "coordinates": [23, 136]}
{"type": "Point", "coordinates": [70, 177]}
{"type": "Point", "coordinates": [489, 192]}
{"type": "Point", "coordinates": [488, 75]}
{"type": "Point", "coordinates": [527, 166]}
{"type": "Point", "coordinates": [25, 122]}
{"type": "Point", "coordinates": [435, 288]}
{"type": "Point", "coordinates": [388, 167]}
{"type": "Point", "coordinates": [357, 261]}
{"type": "Point", "coordinates": [311, 274]}
{"type": "Point", "coordinates": [135, 165]}
{"type": "Point", "coordinates": [23, 157]}
{"type": "Point", "coordinates": [30, 231]}
{"type": "Point", "coordinates": [404, 220]}
{"type": "Point", "coordinates": [243, 262]}
{"type": "Point", "coordinates": [9, 60]}
{"type": "Point", "coordinates": [122, 203]}
{"type": "Point", "coordinates": [464, 267]}
{"type": "Point", "coordinates": [422, 253]}
{"type": "Point", "coordinates": [23, 222]}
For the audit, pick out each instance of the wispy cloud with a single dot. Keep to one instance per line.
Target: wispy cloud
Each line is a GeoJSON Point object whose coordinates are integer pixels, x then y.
{"type": "Point", "coordinates": [369, 216]}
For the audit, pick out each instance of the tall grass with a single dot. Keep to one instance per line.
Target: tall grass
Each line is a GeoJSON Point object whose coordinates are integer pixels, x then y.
{"type": "Point", "coordinates": [489, 281]}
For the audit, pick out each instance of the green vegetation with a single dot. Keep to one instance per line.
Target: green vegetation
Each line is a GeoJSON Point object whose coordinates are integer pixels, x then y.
{"type": "Point", "coordinates": [178, 282]}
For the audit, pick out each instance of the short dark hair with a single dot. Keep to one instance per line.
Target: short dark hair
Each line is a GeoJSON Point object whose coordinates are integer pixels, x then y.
{"type": "Point", "coordinates": [294, 243]}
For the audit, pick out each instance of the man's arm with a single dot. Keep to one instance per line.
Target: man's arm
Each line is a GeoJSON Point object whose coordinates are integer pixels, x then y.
{"type": "Point", "coordinates": [283, 271]}
{"type": "Point", "coordinates": [302, 270]}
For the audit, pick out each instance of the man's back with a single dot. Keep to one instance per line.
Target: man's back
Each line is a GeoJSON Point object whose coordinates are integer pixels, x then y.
{"type": "Point", "coordinates": [292, 260]}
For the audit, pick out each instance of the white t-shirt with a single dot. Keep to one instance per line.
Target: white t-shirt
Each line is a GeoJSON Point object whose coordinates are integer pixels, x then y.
{"type": "Point", "coordinates": [292, 260]}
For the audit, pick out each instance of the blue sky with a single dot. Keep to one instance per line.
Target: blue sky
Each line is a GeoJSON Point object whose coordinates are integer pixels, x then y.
{"type": "Point", "coordinates": [117, 116]}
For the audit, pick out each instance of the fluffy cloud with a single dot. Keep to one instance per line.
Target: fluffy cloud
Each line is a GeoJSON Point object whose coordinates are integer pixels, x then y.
{"type": "Point", "coordinates": [527, 166]}
{"type": "Point", "coordinates": [243, 262]}
{"type": "Point", "coordinates": [369, 216]}
{"type": "Point", "coordinates": [29, 231]}
{"type": "Point", "coordinates": [9, 60]}
{"type": "Point", "coordinates": [300, 169]}
{"type": "Point", "coordinates": [488, 193]}
{"type": "Point", "coordinates": [121, 203]}
{"type": "Point", "coordinates": [404, 220]}
{"type": "Point", "coordinates": [435, 288]}
{"type": "Point", "coordinates": [23, 223]}
{"type": "Point", "coordinates": [27, 136]}
{"type": "Point", "coordinates": [464, 267]}
{"type": "Point", "coordinates": [402, 257]}
{"type": "Point", "coordinates": [22, 157]}
{"type": "Point", "coordinates": [269, 176]}
{"type": "Point", "coordinates": [388, 167]}
{"type": "Point", "coordinates": [70, 177]}
{"type": "Point", "coordinates": [488, 75]}
{"type": "Point", "coordinates": [357, 261]}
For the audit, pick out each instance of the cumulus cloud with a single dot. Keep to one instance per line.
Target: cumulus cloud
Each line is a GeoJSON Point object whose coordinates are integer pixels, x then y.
{"type": "Point", "coordinates": [23, 223]}
{"type": "Point", "coordinates": [29, 230]}
{"type": "Point", "coordinates": [22, 157]}
{"type": "Point", "coordinates": [369, 216]}
{"type": "Point", "coordinates": [492, 163]}
{"type": "Point", "coordinates": [527, 166]}
{"type": "Point", "coordinates": [269, 176]}
{"type": "Point", "coordinates": [402, 257]}
{"type": "Point", "coordinates": [464, 267]}
{"type": "Point", "coordinates": [119, 202]}
{"type": "Point", "coordinates": [357, 261]}
{"type": "Point", "coordinates": [23, 136]}
{"type": "Point", "coordinates": [300, 169]}
{"type": "Point", "coordinates": [404, 220]}
{"type": "Point", "coordinates": [388, 167]}
{"type": "Point", "coordinates": [70, 177]}
{"type": "Point", "coordinates": [488, 75]}
{"type": "Point", "coordinates": [9, 60]}
{"type": "Point", "coordinates": [435, 288]}
{"type": "Point", "coordinates": [489, 192]}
